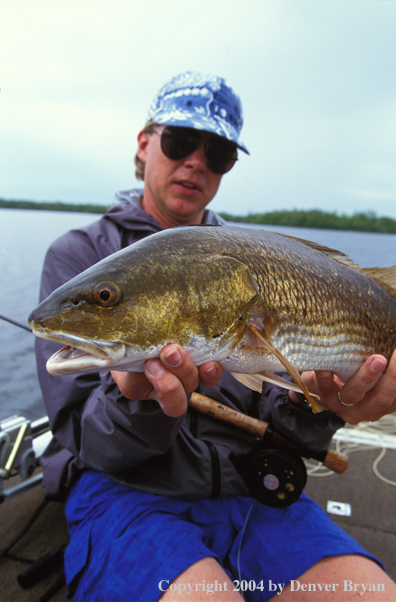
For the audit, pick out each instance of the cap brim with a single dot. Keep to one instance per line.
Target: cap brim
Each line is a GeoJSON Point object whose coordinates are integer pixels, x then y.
{"type": "Point", "coordinates": [201, 122]}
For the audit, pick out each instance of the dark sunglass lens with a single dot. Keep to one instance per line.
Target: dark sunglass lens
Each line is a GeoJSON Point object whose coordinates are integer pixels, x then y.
{"type": "Point", "coordinates": [178, 143]}
{"type": "Point", "coordinates": [220, 155]}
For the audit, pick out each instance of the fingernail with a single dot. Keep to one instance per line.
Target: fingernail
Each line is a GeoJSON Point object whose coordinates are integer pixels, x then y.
{"type": "Point", "coordinates": [211, 372]}
{"type": "Point", "coordinates": [154, 368]}
{"type": "Point", "coordinates": [173, 358]}
{"type": "Point", "coordinates": [324, 374]}
{"type": "Point", "coordinates": [377, 365]}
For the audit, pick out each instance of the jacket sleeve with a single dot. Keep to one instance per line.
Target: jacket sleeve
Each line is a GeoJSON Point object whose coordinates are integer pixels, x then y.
{"type": "Point", "coordinates": [88, 415]}
{"type": "Point", "coordinates": [297, 422]}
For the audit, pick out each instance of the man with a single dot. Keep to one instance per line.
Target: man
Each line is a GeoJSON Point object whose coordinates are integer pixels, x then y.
{"type": "Point", "coordinates": [157, 506]}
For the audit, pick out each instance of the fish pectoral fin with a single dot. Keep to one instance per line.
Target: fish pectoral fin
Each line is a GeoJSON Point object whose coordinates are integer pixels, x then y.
{"type": "Point", "coordinates": [289, 367]}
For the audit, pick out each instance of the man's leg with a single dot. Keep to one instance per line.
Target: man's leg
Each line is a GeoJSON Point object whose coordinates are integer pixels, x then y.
{"type": "Point", "coordinates": [194, 583]}
{"type": "Point", "coordinates": [343, 578]}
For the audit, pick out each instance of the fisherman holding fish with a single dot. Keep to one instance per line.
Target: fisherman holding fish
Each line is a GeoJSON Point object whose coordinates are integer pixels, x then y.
{"type": "Point", "coordinates": [156, 501]}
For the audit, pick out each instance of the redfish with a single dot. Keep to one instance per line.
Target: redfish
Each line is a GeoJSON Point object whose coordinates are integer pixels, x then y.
{"type": "Point", "coordinates": [257, 302]}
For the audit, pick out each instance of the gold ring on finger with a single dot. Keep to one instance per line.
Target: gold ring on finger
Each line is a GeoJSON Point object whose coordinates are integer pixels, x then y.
{"type": "Point", "coordinates": [347, 405]}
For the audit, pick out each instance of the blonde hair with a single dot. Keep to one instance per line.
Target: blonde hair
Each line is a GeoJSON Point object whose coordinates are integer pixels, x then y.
{"type": "Point", "coordinates": [149, 128]}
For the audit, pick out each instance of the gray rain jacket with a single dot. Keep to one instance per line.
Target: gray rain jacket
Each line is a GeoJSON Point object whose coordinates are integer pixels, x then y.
{"type": "Point", "coordinates": [135, 443]}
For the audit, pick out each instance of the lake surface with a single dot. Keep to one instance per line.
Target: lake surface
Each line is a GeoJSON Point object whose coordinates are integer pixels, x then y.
{"type": "Point", "coordinates": [24, 238]}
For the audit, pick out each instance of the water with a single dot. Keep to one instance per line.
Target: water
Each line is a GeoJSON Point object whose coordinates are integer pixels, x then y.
{"type": "Point", "coordinates": [367, 249]}
{"type": "Point", "coordinates": [24, 238]}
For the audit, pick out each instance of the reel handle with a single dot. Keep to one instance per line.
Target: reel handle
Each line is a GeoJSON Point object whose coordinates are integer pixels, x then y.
{"type": "Point", "coordinates": [333, 460]}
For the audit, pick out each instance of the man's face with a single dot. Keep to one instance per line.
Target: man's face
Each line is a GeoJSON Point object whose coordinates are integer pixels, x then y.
{"type": "Point", "coordinates": [175, 192]}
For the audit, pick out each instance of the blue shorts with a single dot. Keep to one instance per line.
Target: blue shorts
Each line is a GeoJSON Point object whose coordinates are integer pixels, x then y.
{"type": "Point", "coordinates": [128, 545]}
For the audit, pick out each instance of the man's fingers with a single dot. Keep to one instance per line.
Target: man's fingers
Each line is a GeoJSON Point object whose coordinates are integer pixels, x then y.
{"type": "Point", "coordinates": [168, 389]}
{"type": "Point", "coordinates": [356, 388]}
{"type": "Point", "coordinates": [325, 378]}
{"type": "Point", "coordinates": [133, 385]}
{"type": "Point", "coordinates": [387, 385]}
{"type": "Point", "coordinates": [172, 375]}
{"type": "Point", "coordinates": [367, 395]}
{"type": "Point", "coordinates": [320, 383]}
{"type": "Point", "coordinates": [382, 399]}
{"type": "Point", "coordinates": [210, 373]}
{"type": "Point", "coordinates": [168, 379]}
{"type": "Point", "coordinates": [177, 361]}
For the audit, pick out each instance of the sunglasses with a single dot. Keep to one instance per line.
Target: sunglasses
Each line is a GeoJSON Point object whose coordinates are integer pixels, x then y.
{"type": "Point", "coordinates": [179, 142]}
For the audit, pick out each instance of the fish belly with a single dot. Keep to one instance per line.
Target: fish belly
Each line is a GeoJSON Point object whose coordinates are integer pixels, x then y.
{"type": "Point", "coordinates": [304, 351]}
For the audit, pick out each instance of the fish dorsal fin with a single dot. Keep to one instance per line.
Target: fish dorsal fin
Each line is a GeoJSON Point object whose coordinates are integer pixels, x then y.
{"type": "Point", "coordinates": [289, 367]}
{"type": "Point", "coordinates": [386, 277]}
{"type": "Point", "coordinates": [337, 255]}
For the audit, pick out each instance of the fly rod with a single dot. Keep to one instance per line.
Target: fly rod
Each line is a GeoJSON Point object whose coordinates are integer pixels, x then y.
{"type": "Point", "coordinates": [333, 460]}
{"type": "Point", "coordinates": [15, 323]}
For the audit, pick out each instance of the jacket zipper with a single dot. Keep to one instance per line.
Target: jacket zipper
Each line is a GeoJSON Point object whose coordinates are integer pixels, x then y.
{"type": "Point", "coordinates": [214, 455]}
{"type": "Point", "coordinates": [216, 472]}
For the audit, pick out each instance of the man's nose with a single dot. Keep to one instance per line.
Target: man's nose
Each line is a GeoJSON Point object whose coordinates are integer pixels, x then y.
{"type": "Point", "coordinates": [197, 159]}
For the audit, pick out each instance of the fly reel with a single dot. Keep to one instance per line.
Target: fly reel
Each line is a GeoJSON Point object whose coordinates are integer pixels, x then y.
{"type": "Point", "coordinates": [274, 472]}
{"type": "Point", "coordinates": [274, 477]}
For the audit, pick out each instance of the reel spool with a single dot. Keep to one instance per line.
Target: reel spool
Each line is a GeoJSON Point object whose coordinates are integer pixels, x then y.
{"type": "Point", "coordinates": [274, 477]}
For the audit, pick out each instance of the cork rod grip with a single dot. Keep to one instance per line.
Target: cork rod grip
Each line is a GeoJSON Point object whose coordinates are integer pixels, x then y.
{"type": "Point", "coordinates": [210, 407]}
{"type": "Point", "coordinates": [335, 461]}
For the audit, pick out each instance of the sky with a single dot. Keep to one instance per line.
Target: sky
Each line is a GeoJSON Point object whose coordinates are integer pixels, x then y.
{"type": "Point", "coordinates": [316, 79]}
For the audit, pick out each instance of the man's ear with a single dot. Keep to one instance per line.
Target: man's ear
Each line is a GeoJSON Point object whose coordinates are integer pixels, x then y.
{"type": "Point", "coordinates": [143, 140]}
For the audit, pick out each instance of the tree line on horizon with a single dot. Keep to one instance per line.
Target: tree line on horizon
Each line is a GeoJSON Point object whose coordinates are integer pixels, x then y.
{"type": "Point", "coordinates": [54, 206]}
{"type": "Point", "coordinates": [297, 218]}
{"type": "Point", "coordinates": [315, 218]}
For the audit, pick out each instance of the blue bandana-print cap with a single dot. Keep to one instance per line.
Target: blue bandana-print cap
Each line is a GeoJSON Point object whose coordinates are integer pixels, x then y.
{"type": "Point", "coordinates": [202, 102]}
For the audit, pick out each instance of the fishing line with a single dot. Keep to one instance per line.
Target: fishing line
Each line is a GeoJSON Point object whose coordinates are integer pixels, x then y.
{"type": "Point", "coordinates": [376, 471]}
{"type": "Point", "coordinates": [240, 543]}
{"type": "Point", "coordinates": [384, 432]}
{"type": "Point", "coordinates": [25, 529]}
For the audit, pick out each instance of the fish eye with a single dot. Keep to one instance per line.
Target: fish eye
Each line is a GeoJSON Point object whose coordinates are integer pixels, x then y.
{"type": "Point", "coordinates": [106, 294]}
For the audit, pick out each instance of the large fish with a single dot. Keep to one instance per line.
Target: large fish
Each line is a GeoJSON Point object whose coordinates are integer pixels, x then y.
{"type": "Point", "coordinates": [255, 301]}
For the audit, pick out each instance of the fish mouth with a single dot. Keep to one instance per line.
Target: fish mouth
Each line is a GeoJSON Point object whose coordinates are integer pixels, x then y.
{"type": "Point", "coordinates": [81, 355]}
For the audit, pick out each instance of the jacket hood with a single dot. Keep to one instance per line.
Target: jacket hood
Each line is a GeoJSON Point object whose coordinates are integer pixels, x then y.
{"type": "Point", "coordinates": [128, 213]}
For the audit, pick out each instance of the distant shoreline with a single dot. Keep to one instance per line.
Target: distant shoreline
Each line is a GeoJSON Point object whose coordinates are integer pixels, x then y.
{"type": "Point", "coordinates": [296, 218]}
{"type": "Point", "coordinates": [321, 220]}
{"type": "Point", "coordinates": [54, 206]}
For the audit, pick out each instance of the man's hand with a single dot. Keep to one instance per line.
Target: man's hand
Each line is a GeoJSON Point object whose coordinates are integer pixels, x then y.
{"type": "Point", "coordinates": [370, 399]}
{"type": "Point", "coordinates": [168, 379]}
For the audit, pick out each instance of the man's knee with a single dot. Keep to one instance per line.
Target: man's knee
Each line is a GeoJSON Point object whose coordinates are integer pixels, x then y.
{"type": "Point", "coordinates": [202, 579]}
